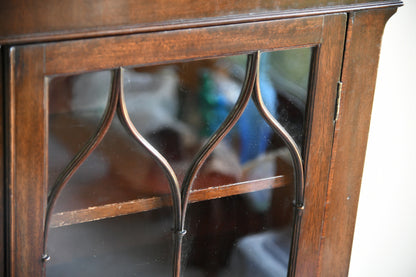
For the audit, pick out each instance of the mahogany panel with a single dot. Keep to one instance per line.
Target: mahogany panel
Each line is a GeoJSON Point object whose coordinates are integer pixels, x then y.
{"type": "Point", "coordinates": [27, 160]}
{"type": "Point", "coordinates": [358, 76]}
{"type": "Point", "coordinates": [319, 141]}
{"type": "Point", "coordinates": [180, 45]}
{"type": "Point", "coordinates": [24, 20]}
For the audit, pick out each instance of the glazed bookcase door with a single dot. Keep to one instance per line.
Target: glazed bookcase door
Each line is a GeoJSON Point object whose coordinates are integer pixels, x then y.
{"type": "Point", "coordinates": [37, 70]}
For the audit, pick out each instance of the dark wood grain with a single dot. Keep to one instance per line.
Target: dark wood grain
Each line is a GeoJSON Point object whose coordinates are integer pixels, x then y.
{"type": "Point", "coordinates": [319, 141]}
{"type": "Point", "coordinates": [180, 45]}
{"type": "Point", "coordinates": [2, 168]}
{"type": "Point", "coordinates": [151, 203]}
{"type": "Point", "coordinates": [27, 165]}
{"type": "Point", "coordinates": [359, 74]}
{"type": "Point", "coordinates": [26, 21]}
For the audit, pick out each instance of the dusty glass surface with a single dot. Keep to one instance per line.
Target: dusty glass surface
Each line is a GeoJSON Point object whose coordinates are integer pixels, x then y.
{"type": "Point", "coordinates": [176, 107]}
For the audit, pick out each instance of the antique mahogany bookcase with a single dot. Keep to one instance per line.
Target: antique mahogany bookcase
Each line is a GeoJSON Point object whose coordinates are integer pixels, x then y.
{"type": "Point", "coordinates": [184, 138]}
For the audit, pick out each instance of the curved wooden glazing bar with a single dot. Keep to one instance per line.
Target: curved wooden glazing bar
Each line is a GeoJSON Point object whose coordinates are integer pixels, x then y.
{"type": "Point", "coordinates": [163, 163]}
{"type": "Point", "coordinates": [215, 139]}
{"type": "Point", "coordinates": [210, 145]}
{"type": "Point", "coordinates": [169, 173]}
{"type": "Point", "coordinates": [82, 155]}
{"type": "Point", "coordinates": [251, 83]}
{"type": "Point", "coordinates": [298, 169]}
{"type": "Point", "coordinates": [117, 103]}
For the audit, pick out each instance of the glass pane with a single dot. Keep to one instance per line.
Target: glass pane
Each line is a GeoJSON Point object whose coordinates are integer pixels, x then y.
{"type": "Point", "coordinates": [249, 234]}
{"type": "Point", "coordinates": [133, 245]}
{"type": "Point", "coordinates": [243, 193]}
{"type": "Point", "coordinates": [75, 109]}
{"type": "Point", "coordinates": [232, 236]}
{"type": "Point", "coordinates": [187, 102]}
{"type": "Point", "coordinates": [117, 172]}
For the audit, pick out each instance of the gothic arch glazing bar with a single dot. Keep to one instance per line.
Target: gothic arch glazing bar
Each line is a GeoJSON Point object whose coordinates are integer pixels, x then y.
{"type": "Point", "coordinates": [169, 173]}
{"type": "Point", "coordinates": [215, 139]}
{"type": "Point", "coordinates": [82, 155]}
{"type": "Point", "coordinates": [297, 164]}
{"type": "Point", "coordinates": [115, 103]}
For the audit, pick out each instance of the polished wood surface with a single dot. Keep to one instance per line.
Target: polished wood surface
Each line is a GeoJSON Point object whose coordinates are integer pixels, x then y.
{"type": "Point", "coordinates": [25, 21]}
{"type": "Point", "coordinates": [2, 165]}
{"type": "Point", "coordinates": [27, 172]}
{"type": "Point", "coordinates": [358, 76]}
{"type": "Point", "coordinates": [180, 45]}
{"type": "Point", "coordinates": [319, 141]}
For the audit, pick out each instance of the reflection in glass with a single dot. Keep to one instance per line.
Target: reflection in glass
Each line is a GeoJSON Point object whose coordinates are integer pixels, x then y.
{"type": "Point", "coordinates": [249, 234]}
{"type": "Point", "coordinates": [230, 237]}
{"type": "Point", "coordinates": [239, 203]}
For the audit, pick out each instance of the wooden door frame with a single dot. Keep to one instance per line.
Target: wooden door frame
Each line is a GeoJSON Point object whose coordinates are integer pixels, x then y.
{"type": "Point", "coordinates": [27, 115]}
{"type": "Point", "coordinates": [359, 72]}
